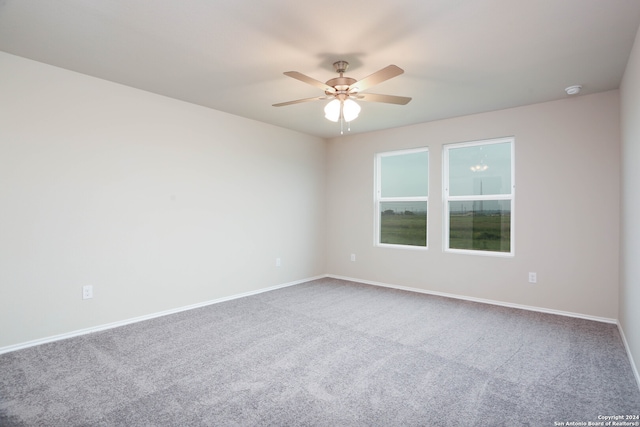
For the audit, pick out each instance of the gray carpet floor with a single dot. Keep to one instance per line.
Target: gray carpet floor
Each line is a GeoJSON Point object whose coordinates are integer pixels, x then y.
{"type": "Point", "coordinates": [326, 353]}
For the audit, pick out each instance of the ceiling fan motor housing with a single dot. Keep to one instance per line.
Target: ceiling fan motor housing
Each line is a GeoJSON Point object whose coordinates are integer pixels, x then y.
{"type": "Point", "coordinates": [340, 84]}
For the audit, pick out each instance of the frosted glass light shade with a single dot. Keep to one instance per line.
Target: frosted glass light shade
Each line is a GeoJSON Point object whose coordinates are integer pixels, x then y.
{"type": "Point", "coordinates": [350, 110]}
{"type": "Point", "coordinates": [332, 110]}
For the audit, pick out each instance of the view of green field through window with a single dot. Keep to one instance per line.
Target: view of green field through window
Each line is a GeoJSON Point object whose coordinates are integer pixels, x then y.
{"type": "Point", "coordinates": [403, 223]}
{"type": "Point", "coordinates": [482, 226]}
{"type": "Point", "coordinates": [478, 196]}
{"type": "Point", "coordinates": [403, 188]}
{"type": "Point", "coordinates": [479, 193]}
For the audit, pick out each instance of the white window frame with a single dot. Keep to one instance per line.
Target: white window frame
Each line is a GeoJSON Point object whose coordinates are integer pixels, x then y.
{"type": "Point", "coordinates": [492, 197]}
{"type": "Point", "coordinates": [379, 199]}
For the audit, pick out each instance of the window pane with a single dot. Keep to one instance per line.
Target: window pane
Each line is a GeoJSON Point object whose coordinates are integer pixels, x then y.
{"type": "Point", "coordinates": [405, 175]}
{"type": "Point", "coordinates": [403, 223]}
{"type": "Point", "coordinates": [483, 225]}
{"type": "Point", "coordinates": [480, 170]}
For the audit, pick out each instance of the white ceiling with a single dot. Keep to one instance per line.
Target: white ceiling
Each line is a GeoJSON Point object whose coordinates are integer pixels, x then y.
{"type": "Point", "coordinates": [460, 56]}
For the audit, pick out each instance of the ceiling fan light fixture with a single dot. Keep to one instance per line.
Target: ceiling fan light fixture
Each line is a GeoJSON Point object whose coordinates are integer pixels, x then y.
{"type": "Point", "coordinates": [332, 110]}
{"type": "Point", "coordinates": [350, 110]}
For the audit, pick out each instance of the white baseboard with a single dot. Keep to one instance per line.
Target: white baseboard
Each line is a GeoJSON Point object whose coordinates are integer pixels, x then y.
{"type": "Point", "coordinates": [626, 346]}
{"type": "Point", "coordinates": [98, 328]}
{"type": "Point", "coordinates": [480, 300]}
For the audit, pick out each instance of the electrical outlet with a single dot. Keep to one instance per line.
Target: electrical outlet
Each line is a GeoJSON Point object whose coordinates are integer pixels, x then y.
{"type": "Point", "coordinates": [87, 292]}
{"type": "Point", "coordinates": [353, 257]}
{"type": "Point", "coordinates": [533, 277]}
{"type": "Point", "coordinates": [278, 262]}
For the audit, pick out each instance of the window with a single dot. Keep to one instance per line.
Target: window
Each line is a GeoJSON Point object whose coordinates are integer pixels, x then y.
{"type": "Point", "coordinates": [479, 196]}
{"type": "Point", "coordinates": [402, 189]}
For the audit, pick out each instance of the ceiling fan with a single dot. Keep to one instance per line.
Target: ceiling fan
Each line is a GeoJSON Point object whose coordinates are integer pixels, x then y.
{"type": "Point", "coordinates": [344, 90]}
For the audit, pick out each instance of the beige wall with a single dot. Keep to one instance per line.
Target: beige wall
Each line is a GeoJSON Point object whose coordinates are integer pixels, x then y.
{"type": "Point", "coordinates": [630, 248]}
{"type": "Point", "coordinates": [155, 202]}
{"type": "Point", "coordinates": [567, 160]}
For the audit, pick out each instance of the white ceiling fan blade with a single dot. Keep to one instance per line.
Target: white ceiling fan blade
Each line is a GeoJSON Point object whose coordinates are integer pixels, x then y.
{"type": "Point", "coordinates": [298, 101]}
{"type": "Point", "coordinates": [389, 99]}
{"type": "Point", "coordinates": [313, 82]}
{"type": "Point", "coordinates": [379, 76]}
